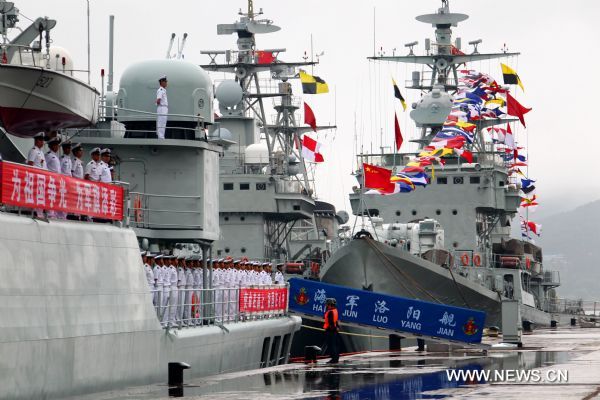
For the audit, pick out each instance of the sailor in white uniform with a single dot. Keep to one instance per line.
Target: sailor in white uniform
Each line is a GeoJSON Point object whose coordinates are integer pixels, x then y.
{"type": "Point", "coordinates": [162, 107]}
{"type": "Point", "coordinates": [189, 285]}
{"type": "Point", "coordinates": [77, 164]}
{"type": "Point", "coordinates": [197, 273]}
{"type": "Point", "coordinates": [94, 168]}
{"type": "Point", "coordinates": [36, 157]}
{"type": "Point", "coordinates": [52, 158]}
{"type": "Point", "coordinates": [279, 279]}
{"type": "Point", "coordinates": [164, 275]}
{"type": "Point", "coordinates": [149, 273]}
{"type": "Point", "coordinates": [158, 283]}
{"type": "Point", "coordinates": [105, 170]}
{"type": "Point", "coordinates": [66, 162]}
{"type": "Point", "coordinates": [174, 300]}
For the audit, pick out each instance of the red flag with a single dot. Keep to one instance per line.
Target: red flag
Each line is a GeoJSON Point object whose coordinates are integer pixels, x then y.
{"type": "Point", "coordinates": [309, 117]}
{"type": "Point", "coordinates": [378, 178]}
{"type": "Point", "coordinates": [397, 133]}
{"type": "Point", "coordinates": [4, 58]}
{"type": "Point", "coordinates": [265, 57]}
{"type": "Point", "coordinates": [516, 109]}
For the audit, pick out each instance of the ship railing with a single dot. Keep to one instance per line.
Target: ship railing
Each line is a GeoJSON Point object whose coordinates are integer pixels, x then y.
{"type": "Point", "coordinates": [191, 307]}
{"type": "Point", "coordinates": [153, 211]}
{"type": "Point", "coordinates": [518, 261]}
{"type": "Point", "coordinates": [399, 160]}
{"type": "Point", "coordinates": [569, 306]}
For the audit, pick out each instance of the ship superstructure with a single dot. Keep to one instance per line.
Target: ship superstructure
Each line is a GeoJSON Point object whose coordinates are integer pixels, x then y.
{"type": "Point", "coordinates": [267, 204]}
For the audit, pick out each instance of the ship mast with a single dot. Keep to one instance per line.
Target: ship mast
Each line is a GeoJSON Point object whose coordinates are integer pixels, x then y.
{"type": "Point", "coordinates": [443, 58]}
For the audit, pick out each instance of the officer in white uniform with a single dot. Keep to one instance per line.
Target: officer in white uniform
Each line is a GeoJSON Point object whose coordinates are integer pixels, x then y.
{"type": "Point", "coordinates": [162, 107]}
{"type": "Point", "coordinates": [279, 279]}
{"type": "Point", "coordinates": [164, 274]}
{"type": "Point", "coordinates": [105, 171]}
{"type": "Point", "coordinates": [158, 283]}
{"type": "Point", "coordinates": [52, 158]}
{"type": "Point", "coordinates": [197, 273]}
{"type": "Point", "coordinates": [181, 282]}
{"type": "Point", "coordinates": [93, 168]}
{"type": "Point", "coordinates": [36, 157]}
{"type": "Point", "coordinates": [77, 165]}
{"type": "Point", "coordinates": [189, 285]}
{"type": "Point", "coordinates": [174, 300]}
{"type": "Point", "coordinates": [66, 162]}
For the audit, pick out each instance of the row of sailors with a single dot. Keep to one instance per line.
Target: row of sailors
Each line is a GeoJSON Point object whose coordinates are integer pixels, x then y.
{"type": "Point", "coordinates": [175, 282]}
{"type": "Point", "coordinates": [70, 163]}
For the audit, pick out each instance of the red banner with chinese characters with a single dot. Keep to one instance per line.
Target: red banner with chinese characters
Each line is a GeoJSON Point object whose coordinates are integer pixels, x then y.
{"type": "Point", "coordinates": [31, 187]}
{"type": "Point", "coordinates": [267, 299]}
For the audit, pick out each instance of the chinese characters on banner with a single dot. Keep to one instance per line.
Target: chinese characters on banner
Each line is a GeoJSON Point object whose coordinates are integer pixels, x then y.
{"type": "Point", "coordinates": [268, 299]}
{"type": "Point", "coordinates": [30, 187]}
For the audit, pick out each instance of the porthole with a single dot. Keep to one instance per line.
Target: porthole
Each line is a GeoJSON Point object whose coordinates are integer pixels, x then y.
{"type": "Point", "coordinates": [455, 244]}
{"type": "Point", "coordinates": [226, 249]}
{"type": "Point", "coordinates": [414, 212]}
{"type": "Point", "coordinates": [454, 212]}
{"type": "Point", "coordinates": [242, 218]}
{"type": "Point", "coordinates": [398, 213]}
{"type": "Point", "coordinates": [243, 249]}
{"type": "Point", "coordinates": [438, 212]}
{"type": "Point", "coordinates": [226, 218]}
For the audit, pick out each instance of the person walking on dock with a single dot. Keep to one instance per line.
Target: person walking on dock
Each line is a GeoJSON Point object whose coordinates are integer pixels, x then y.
{"type": "Point", "coordinates": [162, 107]}
{"type": "Point", "coordinates": [332, 330]}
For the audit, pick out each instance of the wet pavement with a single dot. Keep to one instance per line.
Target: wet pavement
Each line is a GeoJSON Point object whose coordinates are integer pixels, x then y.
{"type": "Point", "coordinates": [410, 374]}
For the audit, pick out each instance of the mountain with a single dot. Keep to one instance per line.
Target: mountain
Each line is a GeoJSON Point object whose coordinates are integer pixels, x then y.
{"type": "Point", "coordinates": [571, 244]}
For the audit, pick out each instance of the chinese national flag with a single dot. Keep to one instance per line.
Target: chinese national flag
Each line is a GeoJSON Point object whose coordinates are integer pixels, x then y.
{"type": "Point", "coordinates": [378, 178]}
{"type": "Point", "coordinates": [309, 117]}
{"type": "Point", "coordinates": [265, 57]}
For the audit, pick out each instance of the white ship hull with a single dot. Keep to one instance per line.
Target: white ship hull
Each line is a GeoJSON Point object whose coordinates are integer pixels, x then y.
{"type": "Point", "coordinates": [34, 99]}
{"type": "Point", "coordinates": [77, 316]}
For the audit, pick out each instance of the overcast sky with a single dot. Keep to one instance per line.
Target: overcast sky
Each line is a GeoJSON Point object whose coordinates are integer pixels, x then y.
{"type": "Point", "coordinates": [558, 41]}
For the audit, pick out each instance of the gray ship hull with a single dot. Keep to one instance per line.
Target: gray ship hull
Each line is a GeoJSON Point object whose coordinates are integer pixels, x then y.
{"type": "Point", "coordinates": [367, 264]}
{"type": "Point", "coordinates": [77, 317]}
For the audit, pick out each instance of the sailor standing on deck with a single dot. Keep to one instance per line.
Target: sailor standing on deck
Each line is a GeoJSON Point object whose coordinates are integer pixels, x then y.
{"type": "Point", "coordinates": [162, 107]}
{"type": "Point", "coordinates": [174, 300]}
{"type": "Point", "coordinates": [36, 157]}
{"type": "Point", "coordinates": [158, 283]}
{"type": "Point", "coordinates": [77, 166]}
{"type": "Point", "coordinates": [53, 162]}
{"type": "Point", "coordinates": [93, 168]}
{"type": "Point", "coordinates": [189, 285]}
{"type": "Point", "coordinates": [197, 272]}
{"type": "Point", "coordinates": [105, 171]}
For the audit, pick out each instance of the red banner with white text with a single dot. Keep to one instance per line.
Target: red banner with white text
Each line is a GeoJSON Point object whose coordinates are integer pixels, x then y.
{"type": "Point", "coordinates": [31, 187]}
{"type": "Point", "coordinates": [267, 299]}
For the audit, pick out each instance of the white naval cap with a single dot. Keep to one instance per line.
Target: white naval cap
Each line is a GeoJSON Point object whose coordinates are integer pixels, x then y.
{"type": "Point", "coordinates": [76, 146]}
{"type": "Point", "coordinates": [104, 151]}
{"type": "Point", "coordinates": [54, 140]}
{"type": "Point", "coordinates": [40, 135]}
{"type": "Point", "coordinates": [95, 150]}
{"type": "Point", "coordinates": [162, 78]}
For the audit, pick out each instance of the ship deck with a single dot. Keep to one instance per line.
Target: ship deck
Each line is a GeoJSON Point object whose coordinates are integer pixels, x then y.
{"type": "Point", "coordinates": [410, 374]}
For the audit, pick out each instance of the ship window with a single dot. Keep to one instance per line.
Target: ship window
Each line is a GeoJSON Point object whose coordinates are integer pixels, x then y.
{"type": "Point", "coordinates": [398, 213]}
{"type": "Point", "coordinates": [296, 208]}
{"type": "Point", "coordinates": [455, 244]}
{"type": "Point", "coordinates": [243, 249]}
{"type": "Point", "coordinates": [244, 186]}
{"type": "Point", "coordinates": [228, 186]}
{"type": "Point", "coordinates": [219, 252]}
{"type": "Point", "coordinates": [261, 186]}
{"type": "Point", "coordinates": [442, 181]}
{"type": "Point", "coordinates": [454, 212]}
{"type": "Point", "coordinates": [226, 249]}
{"type": "Point", "coordinates": [438, 212]}
{"type": "Point", "coordinates": [414, 212]}
{"type": "Point", "coordinates": [458, 180]}
{"type": "Point", "coordinates": [474, 179]}
{"type": "Point", "coordinates": [501, 183]}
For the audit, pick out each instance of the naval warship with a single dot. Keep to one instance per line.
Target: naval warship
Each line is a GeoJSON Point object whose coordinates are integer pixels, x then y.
{"type": "Point", "coordinates": [267, 205]}
{"type": "Point", "coordinates": [449, 242]}
{"type": "Point", "coordinates": [77, 313]}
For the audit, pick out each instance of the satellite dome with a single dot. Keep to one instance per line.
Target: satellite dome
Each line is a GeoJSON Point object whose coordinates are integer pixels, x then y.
{"type": "Point", "coordinates": [229, 93]}
{"type": "Point", "coordinates": [257, 153]}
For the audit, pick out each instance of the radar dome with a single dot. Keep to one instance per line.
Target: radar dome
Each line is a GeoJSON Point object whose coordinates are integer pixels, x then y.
{"type": "Point", "coordinates": [229, 93]}
{"type": "Point", "coordinates": [257, 153]}
{"type": "Point", "coordinates": [189, 91]}
{"type": "Point", "coordinates": [342, 217]}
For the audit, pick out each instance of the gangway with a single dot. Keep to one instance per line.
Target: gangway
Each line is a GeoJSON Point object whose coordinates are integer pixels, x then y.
{"type": "Point", "coordinates": [397, 315]}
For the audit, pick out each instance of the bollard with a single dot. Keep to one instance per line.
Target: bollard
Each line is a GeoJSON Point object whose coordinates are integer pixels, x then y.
{"type": "Point", "coordinates": [573, 321]}
{"type": "Point", "coordinates": [553, 324]}
{"type": "Point", "coordinates": [310, 354]}
{"type": "Point", "coordinates": [420, 344]}
{"type": "Point", "coordinates": [394, 342]}
{"type": "Point", "coordinates": [526, 326]}
{"type": "Point", "coordinates": [176, 378]}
